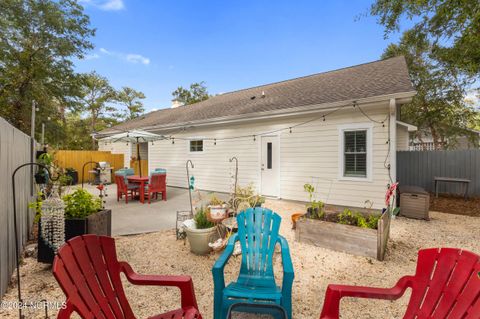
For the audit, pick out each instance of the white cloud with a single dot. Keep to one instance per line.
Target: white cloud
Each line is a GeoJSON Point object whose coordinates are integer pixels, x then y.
{"type": "Point", "coordinates": [107, 5]}
{"type": "Point", "coordinates": [137, 58]}
{"type": "Point", "coordinates": [113, 5]}
{"type": "Point", "coordinates": [128, 57]}
{"type": "Point", "coordinates": [93, 56]}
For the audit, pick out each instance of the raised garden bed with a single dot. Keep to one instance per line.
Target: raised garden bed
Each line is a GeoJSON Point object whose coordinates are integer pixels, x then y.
{"type": "Point", "coordinates": [328, 233]}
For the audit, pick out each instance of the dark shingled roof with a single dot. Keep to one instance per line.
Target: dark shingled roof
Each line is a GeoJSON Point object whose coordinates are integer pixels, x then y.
{"type": "Point", "coordinates": [372, 79]}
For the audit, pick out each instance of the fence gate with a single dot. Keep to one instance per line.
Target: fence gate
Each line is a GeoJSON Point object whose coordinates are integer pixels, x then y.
{"type": "Point", "coordinates": [419, 168]}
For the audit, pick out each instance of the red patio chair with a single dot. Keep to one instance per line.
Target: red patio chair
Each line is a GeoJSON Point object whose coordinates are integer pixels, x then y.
{"type": "Point", "coordinates": [124, 189]}
{"type": "Point", "coordinates": [157, 184]}
{"type": "Point", "coordinates": [88, 271]}
{"type": "Point", "coordinates": [446, 284]}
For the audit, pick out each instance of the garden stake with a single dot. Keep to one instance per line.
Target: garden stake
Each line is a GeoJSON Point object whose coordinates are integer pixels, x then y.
{"type": "Point", "coordinates": [188, 183]}
{"type": "Point", "coordinates": [83, 168]}
{"type": "Point", "coordinates": [16, 230]}
{"type": "Point", "coordinates": [236, 174]}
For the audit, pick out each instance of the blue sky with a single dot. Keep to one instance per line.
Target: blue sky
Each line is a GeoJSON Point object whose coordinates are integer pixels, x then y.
{"type": "Point", "coordinates": [156, 46]}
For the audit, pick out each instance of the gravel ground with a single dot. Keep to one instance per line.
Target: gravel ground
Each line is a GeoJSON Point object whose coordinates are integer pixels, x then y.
{"type": "Point", "coordinates": [315, 268]}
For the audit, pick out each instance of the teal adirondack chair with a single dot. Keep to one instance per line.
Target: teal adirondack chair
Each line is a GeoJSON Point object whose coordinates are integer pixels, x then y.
{"type": "Point", "coordinates": [258, 236]}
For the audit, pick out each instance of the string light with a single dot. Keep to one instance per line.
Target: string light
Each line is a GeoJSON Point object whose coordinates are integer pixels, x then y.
{"type": "Point", "coordinates": [215, 142]}
{"type": "Point", "coordinates": [290, 130]}
{"type": "Point", "coordinates": [173, 140]}
{"type": "Point", "coordinates": [254, 139]}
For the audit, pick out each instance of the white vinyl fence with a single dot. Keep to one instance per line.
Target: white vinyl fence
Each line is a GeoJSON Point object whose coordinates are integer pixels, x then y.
{"type": "Point", "coordinates": [14, 151]}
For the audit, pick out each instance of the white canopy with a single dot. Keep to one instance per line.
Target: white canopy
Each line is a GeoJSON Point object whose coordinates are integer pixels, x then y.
{"type": "Point", "coordinates": [135, 136]}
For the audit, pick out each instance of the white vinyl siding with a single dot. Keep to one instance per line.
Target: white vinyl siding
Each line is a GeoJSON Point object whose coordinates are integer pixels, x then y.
{"type": "Point", "coordinates": [402, 138]}
{"type": "Point", "coordinates": [310, 154]}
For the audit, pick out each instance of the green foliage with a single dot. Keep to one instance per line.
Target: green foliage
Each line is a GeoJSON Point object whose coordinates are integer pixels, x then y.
{"type": "Point", "coordinates": [196, 93]}
{"type": "Point", "coordinates": [81, 204]}
{"type": "Point", "coordinates": [45, 159]}
{"type": "Point", "coordinates": [215, 201]}
{"type": "Point", "coordinates": [348, 217]}
{"type": "Point", "coordinates": [246, 196]}
{"type": "Point", "coordinates": [452, 27]}
{"type": "Point", "coordinates": [131, 99]}
{"type": "Point", "coordinates": [38, 41]}
{"type": "Point", "coordinates": [316, 209]}
{"type": "Point", "coordinates": [96, 96]}
{"type": "Point", "coordinates": [201, 219]}
{"type": "Point", "coordinates": [37, 206]}
{"type": "Point", "coordinates": [439, 108]}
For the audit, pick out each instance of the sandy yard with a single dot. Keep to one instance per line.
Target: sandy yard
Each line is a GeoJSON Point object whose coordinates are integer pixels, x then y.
{"type": "Point", "coordinates": [315, 268]}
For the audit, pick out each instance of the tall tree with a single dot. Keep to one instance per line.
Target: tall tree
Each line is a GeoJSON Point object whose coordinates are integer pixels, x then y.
{"type": "Point", "coordinates": [38, 40]}
{"type": "Point", "coordinates": [439, 106]}
{"type": "Point", "coordinates": [131, 99]}
{"type": "Point", "coordinates": [95, 99]}
{"type": "Point", "coordinates": [196, 93]}
{"type": "Point", "coordinates": [452, 26]}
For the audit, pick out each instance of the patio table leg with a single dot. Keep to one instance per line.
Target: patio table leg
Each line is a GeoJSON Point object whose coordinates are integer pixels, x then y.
{"type": "Point", "coordinates": [142, 192]}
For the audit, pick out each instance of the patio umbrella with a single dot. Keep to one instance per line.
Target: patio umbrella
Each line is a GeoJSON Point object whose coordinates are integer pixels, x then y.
{"type": "Point", "coordinates": [135, 136]}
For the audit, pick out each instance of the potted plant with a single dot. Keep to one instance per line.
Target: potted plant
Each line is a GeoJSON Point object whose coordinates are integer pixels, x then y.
{"type": "Point", "coordinates": [217, 208]}
{"type": "Point", "coordinates": [82, 212]}
{"type": "Point", "coordinates": [41, 177]}
{"type": "Point", "coordinates": [201, 232]}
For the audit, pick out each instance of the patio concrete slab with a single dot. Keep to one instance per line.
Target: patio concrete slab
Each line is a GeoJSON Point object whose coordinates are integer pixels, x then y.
{"type": "Point", "coordinates": [137, 218]}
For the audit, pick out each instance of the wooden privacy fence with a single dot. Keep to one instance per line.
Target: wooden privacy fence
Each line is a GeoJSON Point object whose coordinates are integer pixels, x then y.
{"type": "Point", "coordinates": [76, 160]}
{"type": "Point", "coordinates": [419, 168]}
{"type": "Point", "coordinates": [14, 151]}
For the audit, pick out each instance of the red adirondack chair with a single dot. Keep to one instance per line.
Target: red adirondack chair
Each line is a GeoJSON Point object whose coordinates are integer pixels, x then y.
{"type": "Point", "coordinates": [88, 271]}
{"type": "Point", "coordinates": [446, 284]}
{"type": "Point", "coordinates": [158, 184]}
{"type": "Point", "coordinates": [124, 189]}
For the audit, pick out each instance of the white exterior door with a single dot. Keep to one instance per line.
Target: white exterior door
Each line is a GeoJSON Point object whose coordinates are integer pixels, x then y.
{"type": "Point", "coordinates": [269, 166]}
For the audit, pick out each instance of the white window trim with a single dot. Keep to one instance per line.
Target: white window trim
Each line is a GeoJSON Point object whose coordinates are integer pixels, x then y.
{"type": "Point", "coordinates": [341, 159]}
{"type": "Point", "coordinates": [196, 139]}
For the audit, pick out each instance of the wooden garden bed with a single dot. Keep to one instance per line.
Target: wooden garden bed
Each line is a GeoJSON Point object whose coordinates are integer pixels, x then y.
{"type": "Point", "coordinates": [350, 239]}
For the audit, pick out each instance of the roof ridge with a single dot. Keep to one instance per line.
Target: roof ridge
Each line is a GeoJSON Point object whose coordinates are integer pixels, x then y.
{"type": "Point", "coordinates": [305, 76]}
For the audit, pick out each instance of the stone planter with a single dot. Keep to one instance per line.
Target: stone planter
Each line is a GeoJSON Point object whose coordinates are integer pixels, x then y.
{"type": "Point", "coordinates": [350, 239]}
{"type": "Point", "coordinates": [199, 239]}
{"type": "Point", "coordinates": [99, 224]}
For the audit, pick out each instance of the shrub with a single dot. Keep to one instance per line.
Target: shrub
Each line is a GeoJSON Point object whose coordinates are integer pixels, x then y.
{"type": "Point", "coordinates": [201, 219]}
{"type": "Point", "coordinates": [215, 201]}
{"type": "Point", "coordinates": [81, 204]}
{"type": "Point", "coordinates": [347, 217]}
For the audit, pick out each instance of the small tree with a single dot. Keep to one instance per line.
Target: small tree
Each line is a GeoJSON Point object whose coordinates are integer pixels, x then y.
{"type": "Point", "coordinates": [131, 99]}
{"type": "Point", "coordinates": [439, 107]}
{"type": "Point", "coordinates": [451, 26]}
{"type": "Point", "coordinates": [96, 94]}
{"type": "Point", "coordinates": [196, 93]}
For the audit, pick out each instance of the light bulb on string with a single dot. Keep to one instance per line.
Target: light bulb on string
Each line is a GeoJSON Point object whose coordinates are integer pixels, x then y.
{"type": "Point", "coordinates": [254, 138]}
{"type": "Point", "coordinates": [214, 141]}
{"type": "Point", "coordinates": [290, 130]}
{"type": "Point", "coordinates": [173, 140]}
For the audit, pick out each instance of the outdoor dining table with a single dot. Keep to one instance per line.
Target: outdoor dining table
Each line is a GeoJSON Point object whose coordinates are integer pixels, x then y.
{"type": "Point", "coordinates": [141, 180]}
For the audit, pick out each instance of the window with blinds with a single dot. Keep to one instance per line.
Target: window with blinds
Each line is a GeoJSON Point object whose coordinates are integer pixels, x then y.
{"type": "Point", "coordinates": [355, 153]}
{"type": "Point", "coordinates": [196, 146]}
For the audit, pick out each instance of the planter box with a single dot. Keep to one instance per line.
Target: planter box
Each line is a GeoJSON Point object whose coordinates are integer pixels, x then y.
{"type": "Point", "coordinates": [98, 224]}
{"type": "Point", "coordinates": [350, 239]}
